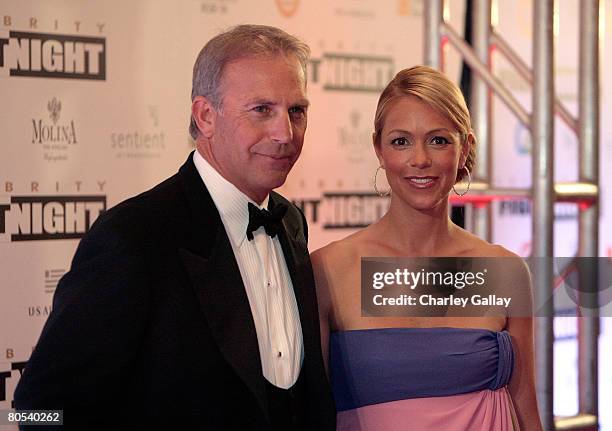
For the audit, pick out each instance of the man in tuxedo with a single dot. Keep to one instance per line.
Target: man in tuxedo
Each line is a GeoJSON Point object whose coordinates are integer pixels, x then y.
{"type": "Point", "coordinates": [194, 302]}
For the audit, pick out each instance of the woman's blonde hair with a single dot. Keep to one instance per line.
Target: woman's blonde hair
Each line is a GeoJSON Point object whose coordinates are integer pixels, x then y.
{"type": "Point", "coordinates": [436, 90]}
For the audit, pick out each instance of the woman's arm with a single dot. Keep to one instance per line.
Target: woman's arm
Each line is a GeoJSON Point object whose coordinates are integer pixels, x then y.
{"type": "Point", "coordinates": [522, 383]}
{"type": "Point", "coordinates": [520, 327]}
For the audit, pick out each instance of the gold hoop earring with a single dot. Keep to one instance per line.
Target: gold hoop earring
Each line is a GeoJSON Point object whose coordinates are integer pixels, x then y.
{"type": "Point", "coordinates": [469, 183]}
{"type": "Point", "coordinates": [378, 192]}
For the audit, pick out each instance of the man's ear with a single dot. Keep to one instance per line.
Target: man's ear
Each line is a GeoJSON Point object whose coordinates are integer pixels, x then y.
{"type": "Point", "coordinates": [204, 114]}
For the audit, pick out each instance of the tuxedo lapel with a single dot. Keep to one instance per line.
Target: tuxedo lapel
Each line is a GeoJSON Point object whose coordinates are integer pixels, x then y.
{"type": "Point", "coordinates": [213, 270]}
{"type": "Point", "coordinates": [300, 270]}
{"type": "Point", "coordinates": [223, 301]}
{"type": "Point", "coordinates": [295, 249]}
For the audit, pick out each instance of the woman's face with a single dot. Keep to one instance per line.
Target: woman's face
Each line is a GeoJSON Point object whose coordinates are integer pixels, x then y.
{"type": "Point", "coordinates": [420, 151]}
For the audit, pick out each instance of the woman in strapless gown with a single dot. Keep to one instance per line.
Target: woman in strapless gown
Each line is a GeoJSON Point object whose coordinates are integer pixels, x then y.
{"type": "Point", "coordinates": [423, 373]}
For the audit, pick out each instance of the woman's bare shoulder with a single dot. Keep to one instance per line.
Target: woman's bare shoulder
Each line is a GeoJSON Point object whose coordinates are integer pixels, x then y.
{"type": "Point", "coordinates": [474, 246]}
{"type": "Point", "coordinates": [342, 251]}
{"type": "Point", "coordinates": [507, 268]}
{"type": "Point", "coordinates": [496, 250]}
{"type": "Point", "coordinates": [479, 247]}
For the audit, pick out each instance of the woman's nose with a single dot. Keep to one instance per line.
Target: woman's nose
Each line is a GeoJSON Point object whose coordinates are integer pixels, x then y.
{"type": "Point", "coordinates": [419, 157]}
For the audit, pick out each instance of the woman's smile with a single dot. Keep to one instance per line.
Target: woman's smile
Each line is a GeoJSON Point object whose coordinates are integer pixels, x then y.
{"type": "Point", "coordinates": [422, 182]}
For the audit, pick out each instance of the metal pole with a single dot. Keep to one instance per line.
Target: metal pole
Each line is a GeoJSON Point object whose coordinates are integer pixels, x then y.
{"type": "Point", "coordinates": [480, 110]}
{"type": "Point", "coordinates": [542, 132]}
{"type": "Point", "coordinates": [433, 42]}
{"type": "Point", "coordinates": [482, 70]}
{"type": "Point", "coordinates": [506, 50]}
{"type": "Point", "coordinates": [588, 233]}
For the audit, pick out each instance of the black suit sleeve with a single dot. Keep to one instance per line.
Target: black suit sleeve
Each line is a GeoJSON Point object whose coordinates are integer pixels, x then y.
{"type": "Point", "coordinates": [84, 353]}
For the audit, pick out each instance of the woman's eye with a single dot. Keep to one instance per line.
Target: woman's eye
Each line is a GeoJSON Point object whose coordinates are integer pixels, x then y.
{"type": "Point", "coordinates": [439, 140]}
{"type": "Point", "coordinates": [399, 142]}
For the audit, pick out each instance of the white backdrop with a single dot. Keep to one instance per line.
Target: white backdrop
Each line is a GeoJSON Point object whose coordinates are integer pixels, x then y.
{"type": "Point", "coordinates": [96, 107]}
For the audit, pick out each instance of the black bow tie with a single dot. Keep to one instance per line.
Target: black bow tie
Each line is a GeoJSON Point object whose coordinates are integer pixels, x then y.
{"type": "Point", "coordinates": [270, 220]}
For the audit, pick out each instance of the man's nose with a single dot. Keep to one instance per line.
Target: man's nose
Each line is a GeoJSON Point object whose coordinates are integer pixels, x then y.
{"type": "Point", "coordinates": [419, 156]}
{"type": "Point", "coordinates": [282, 129]}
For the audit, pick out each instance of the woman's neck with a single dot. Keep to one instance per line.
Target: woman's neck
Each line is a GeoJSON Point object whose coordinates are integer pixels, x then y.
{"type": "Point", "coordinates": [418, 232]}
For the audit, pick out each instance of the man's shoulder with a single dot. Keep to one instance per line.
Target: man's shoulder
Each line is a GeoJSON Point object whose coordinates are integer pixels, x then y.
{"type": "Point", "coordinates": [140, 218]}
{"type": "Point", "coordinates": [280, 199]}
{"type": "Point", "coordinates": [295, 216]}
{"type": "Point", "coordinates": [149, 204]}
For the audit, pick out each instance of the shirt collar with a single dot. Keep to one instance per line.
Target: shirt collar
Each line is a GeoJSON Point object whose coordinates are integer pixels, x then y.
{"type": "Point", "coordinates": [231, 203]}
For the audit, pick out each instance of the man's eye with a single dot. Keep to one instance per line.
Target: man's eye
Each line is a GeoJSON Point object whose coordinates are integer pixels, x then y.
{"type": "Point", "coordinates": [297, 110]}
{"type": "Point", "coordinates": [399, 142]}
{"type": "Point", "coordinates": [262, 109]}
{"type": "Point", "coordinates": [439, 140]}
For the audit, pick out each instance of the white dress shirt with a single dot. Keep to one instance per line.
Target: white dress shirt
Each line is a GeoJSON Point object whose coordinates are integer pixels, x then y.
{"type": "Point", "coordinates": [266, 280]}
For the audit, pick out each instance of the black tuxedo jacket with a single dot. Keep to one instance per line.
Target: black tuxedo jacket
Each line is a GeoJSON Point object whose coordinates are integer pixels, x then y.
{"type": "Point", "coordinates": [152, 324]}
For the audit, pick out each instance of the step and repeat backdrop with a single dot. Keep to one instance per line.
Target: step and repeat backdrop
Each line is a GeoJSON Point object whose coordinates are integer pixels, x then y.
{"type": "Point", "coordinates": [95, 108]}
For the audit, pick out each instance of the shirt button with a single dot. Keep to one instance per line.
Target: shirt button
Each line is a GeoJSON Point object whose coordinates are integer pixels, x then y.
{"type": "Point", "coordinates": [279, 354]}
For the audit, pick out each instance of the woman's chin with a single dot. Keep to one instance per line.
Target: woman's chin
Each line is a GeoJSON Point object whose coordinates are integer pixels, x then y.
{"type": "Point", "coordinates": [426, 205]}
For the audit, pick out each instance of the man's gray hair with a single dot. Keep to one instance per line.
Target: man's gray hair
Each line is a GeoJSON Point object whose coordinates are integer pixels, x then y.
{"type": "Point", "coordinates": [236, 43]}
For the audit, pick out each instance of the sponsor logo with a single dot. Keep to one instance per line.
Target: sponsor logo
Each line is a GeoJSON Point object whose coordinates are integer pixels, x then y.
{"type": "Point", "coordinates": [563, 211]}
{"type": "Point", "coordinates": [216, 7]}
{"type": "Point", "coordinates": [358, 9]}
{"type": "Point", "coordinates": [39, 310]}
{"type": "Point", "coordinates": [9, 371]}
{"type": "Point", "coordinates": [52, 277]}
{"type": "Point", "coordinates": [520, 208]}
{"type": "Point", "coordinates": [341, 210]}
{"type": "Point", "coordinates": [354, 73]}
{"type": "Point", "coordinates": [354, 139]}
{"type": "Point", "coordinates": [353, 210]}
{"type": "Point", "coordinates": [49, 22]}
{"type": "Point", "coordinates": [55, 137]}
{"type": "Point", "coordinates": [37, 218]}
{"type": "Point", "coordinates": [287, 8]}
{"type": "Point", "coordinates": [45, 55]}
{"type": "Point", "coordinates": [140, 144]}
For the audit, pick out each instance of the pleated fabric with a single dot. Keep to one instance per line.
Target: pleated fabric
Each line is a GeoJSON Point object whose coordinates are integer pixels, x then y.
{"type": "Point", "coordinates": [422, 379]}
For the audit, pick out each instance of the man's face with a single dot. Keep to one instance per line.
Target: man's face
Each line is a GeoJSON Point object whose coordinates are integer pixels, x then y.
{"type": "Point", "coordinates": [258, 132]}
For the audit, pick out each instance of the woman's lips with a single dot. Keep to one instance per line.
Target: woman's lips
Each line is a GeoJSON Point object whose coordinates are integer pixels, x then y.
{"type": "Point", "coordinates": [422, 182]}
